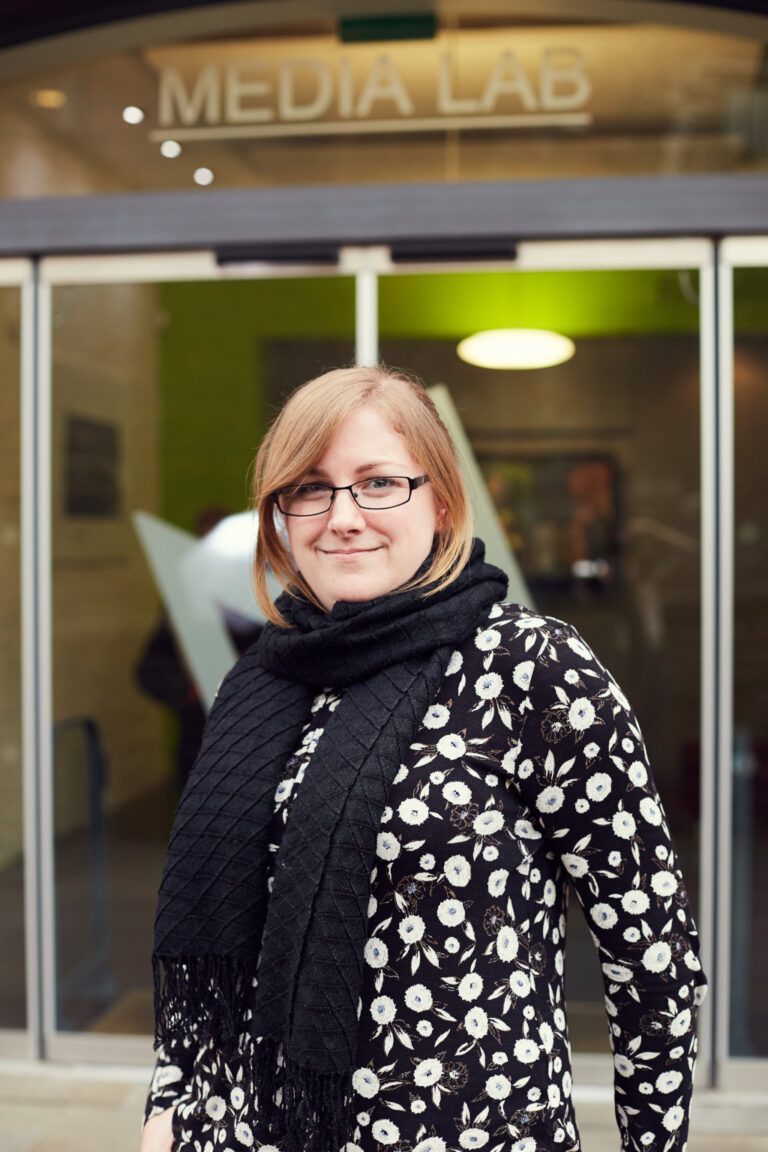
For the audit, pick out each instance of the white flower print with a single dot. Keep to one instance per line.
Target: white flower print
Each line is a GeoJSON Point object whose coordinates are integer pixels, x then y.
{"type": "Point", "coordinates": [673, 1118]}
{"type": "Point", "coordinates": [497, 882]}
{"type": "Point", "coordinates": [650, 810]}
{"type": "Point", "coordinates": [591, 750]}
{"type": "Point", "coordinates": [452, 747]}
{"type": "Point", "coordinates": [525, 769]}
{"type": "Point", "coordinates": [550, 799]}
{"type": "Point", "coordinates": [579, 648]}
{"type": "Point", "coordinates": [489, 686]}
{"type": "Point", "coordinates": [582, 805]}
{"type": "Point", "coordinates": [669, 1081]}
{"type": "Point", "coordinates": [436, 717]}
{"type": "Point", "coordinates": [376, 953]}
{"type": "Point", "coordinates": [470, 986]}
{"type": "Point", "coordinates": [451, 944]}
{"type": "Point", "coordinates": [498, 1087]}
{"type": "Point", "coordinates": [631, 934]}
{"type": "Point", "coordinates": [519, 983]}
{"type": "Point", "coordinates": [575, 866]}
{"type": "Point", "coordinates": [581, 714]}
{"type": "Point", "coordinates": [488, 823]}
{"type": "Point", "coordinates": [243, 1134]}
{"type": "Point", "coordinates": [424, 1028]}
{"type": "Point", "coordinates": [417, 1105]}
{"type": "Point", "coordinates": [657, 957]}
{"type": "Point", "coordinates": [385, 1131]}
{"type": "Point", "coordinates": [454, 664]}
{"type": "Point", "coordinates": [488, 640]}
{"type": "Point", "coordinates": [427, 862]}
{"type": "Point", "coordinates": [617, 972]}
{"type": "Point", "coordinates": [413, 811]}
{"type": "Point", "coordinates": [458, 871]}
{"type": "Point", "coordinates": [418, 998]}
{"type": "Point", "coordinates": [624, 1065]}
{"type": "Point", "coordinates": [450, 912]}
{"type": "Point", "coordinates": [603, 915]}
{"type": "Point", "coordinates": [637, 773]}
{"type": "Point", "coordinates": [664, 883]}
{"type": "Point", "coordinates": [526, 1050]}
{"type": "Point", "coordinates": [635, 902]}
{"type": "Point", "coordinates": [476, 1022]}
{"type": "Point", "coordinates": [681, 1023]}
{"type": "Point", "coordinates": [215, 1107]}
{"type": "Point", "coordinates": [387, 846]}
{"type": "Point", "coordinates": [599, 786]}
{"type": "Point", "coordinates": [427, 1072]}
{"type": "Point", "coordinates": [365, 1082]}
{"type": "Point", "coordinates": [553, 1096]}
{"type": "Point", "coordinates": [624, 824]}
{"type": "Point", "coordinates": [527, 1144]}
{"type": "Point", "coordinates": [455, 792]}
{"type": "Point", "coordinates": [411, 929]}
{"type": "Point", "coordinates": [522, 674]}
{"type": "Point", "coordinates": [507, 944]}
{"type": "Point", "coordinates": [473, 1138]}
{"type": "Point", "coordinates": [383, 1009]}
{"type": "Point", "coordinates": [490, 852]}
{"type": "Point", "coordinates": [547, 1037]}
{"type": "Point", "coordinates": [237, 1098]}
{"type": "Point", "coordinates": [431, 1144]}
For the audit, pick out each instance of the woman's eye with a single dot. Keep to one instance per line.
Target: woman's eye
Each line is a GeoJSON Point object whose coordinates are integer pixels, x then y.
{"type": "Point", "coordinates": [311, 490]}
{"type": "Point", "coordinates": [379, 484]}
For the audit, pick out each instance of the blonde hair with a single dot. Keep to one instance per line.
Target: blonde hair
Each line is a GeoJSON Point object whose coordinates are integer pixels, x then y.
{"type": "Point", "coordinates": [303, 431]}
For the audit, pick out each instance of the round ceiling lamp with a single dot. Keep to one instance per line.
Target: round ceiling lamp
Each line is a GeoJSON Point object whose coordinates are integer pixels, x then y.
{"type": "Point", "coordinates": [516, 348]}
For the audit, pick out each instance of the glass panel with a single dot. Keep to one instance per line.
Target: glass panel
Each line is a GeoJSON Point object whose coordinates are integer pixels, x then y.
{"type": "Point", "coordinates": [12, 976]}
{"type": "Point", "coordinates": [475, 97]}
{"type": "Point", "coordinates": [749, 908]}
{"type": "Point", "coordinates": [160, 396]}
{"type": "Point", "coordinates": [593, 466]}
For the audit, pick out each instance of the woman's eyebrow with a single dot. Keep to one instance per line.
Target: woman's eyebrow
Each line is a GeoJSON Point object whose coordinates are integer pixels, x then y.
{"type": "Point", "coordinates": [377, 464]}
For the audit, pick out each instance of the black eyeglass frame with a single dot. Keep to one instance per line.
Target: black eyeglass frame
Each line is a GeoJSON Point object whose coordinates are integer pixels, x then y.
{"type": "Point", "coordinates": [413, 483]}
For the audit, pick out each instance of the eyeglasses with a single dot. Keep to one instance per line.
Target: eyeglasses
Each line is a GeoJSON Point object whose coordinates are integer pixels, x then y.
{"type": "Point", "coordinates": [376, 492]}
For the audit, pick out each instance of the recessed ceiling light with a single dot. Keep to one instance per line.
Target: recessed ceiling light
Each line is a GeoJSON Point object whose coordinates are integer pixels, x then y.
{"type": "Point", "coordinates": [49, 98]}
{"type": "Point", "coordinates": [203, 176]}
{"type": "Point", "coordinates": [170, 149]}
{"type": "Point", "coordinates": [516, 348]}
{"type": "Point", "coordinates": [132, 114]}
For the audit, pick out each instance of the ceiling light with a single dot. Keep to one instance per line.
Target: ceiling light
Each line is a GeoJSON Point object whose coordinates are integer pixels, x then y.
{"type": "Point", "coordinates": [170, 149]}
{"type": "Point", "coordinates": [203, 176]}
{"type": "Point", "coordinates": [49, 98]}
{"type": "Point", "coordinates": [516, 348]}
{"type": "Point", "coordinates": [132, 114]}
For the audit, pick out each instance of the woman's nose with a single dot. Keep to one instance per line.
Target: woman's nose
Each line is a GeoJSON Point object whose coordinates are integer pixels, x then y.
{"type": "Point", "coordinates": [345, 513]}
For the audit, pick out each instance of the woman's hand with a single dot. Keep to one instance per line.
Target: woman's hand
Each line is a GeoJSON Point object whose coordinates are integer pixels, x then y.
{"type": "Point", "coordinates": [157, 1135]}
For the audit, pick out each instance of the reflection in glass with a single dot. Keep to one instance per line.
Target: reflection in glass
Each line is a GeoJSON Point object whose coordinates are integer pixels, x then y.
{"type": "Point", "coordinates": [749, 779]}
{"type": "Point", "coordinates": [12, 979]}
{"type": "Point", "coordinates": [594, 469]}
{"type": "Point", "coordinates": [160, 396]}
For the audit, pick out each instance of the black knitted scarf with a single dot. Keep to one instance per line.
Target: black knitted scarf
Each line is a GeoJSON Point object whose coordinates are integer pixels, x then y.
{"type": "Point", "coordinates": [294, 957]}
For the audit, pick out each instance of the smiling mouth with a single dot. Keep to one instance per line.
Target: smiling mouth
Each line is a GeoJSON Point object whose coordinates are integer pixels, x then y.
{"type": "Point", "coordinates": [348, 551]}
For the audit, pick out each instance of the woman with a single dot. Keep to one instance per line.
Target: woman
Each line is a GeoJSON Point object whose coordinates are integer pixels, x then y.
{"type": "Point", "coordinates": [433, 765]}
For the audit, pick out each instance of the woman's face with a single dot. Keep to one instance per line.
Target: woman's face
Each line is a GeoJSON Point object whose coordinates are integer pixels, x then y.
{"type": "Point", "coordinates": [351, 553]}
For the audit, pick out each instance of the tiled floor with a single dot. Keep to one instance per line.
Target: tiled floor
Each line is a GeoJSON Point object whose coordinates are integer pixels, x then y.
{"type": "Point", "coordinates": [49, 1108]}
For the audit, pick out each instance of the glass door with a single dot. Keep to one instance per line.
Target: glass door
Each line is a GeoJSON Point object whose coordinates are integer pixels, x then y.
{"type": "Point", "coordinates": [165, 373]}
{"type": "Point", "coordinates": [743, 794]}
{"type": "Point", "coordinates": [593, 467]}
{"type": "Point", "coordinates": [16, 878]}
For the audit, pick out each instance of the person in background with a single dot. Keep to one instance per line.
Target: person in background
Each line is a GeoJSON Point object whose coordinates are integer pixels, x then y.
{"type": "Point", "coordinates": [361, 928]}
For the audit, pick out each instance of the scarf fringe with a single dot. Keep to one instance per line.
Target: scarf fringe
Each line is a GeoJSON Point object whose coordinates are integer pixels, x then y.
{"type": "Point", "coordinates": [309, 1111]}
{"type": "Point", "coordinates": [211, 990]}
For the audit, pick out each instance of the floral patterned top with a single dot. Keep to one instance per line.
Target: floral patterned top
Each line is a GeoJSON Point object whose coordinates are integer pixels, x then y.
{"type": "Point", "coordinates": [528, 770]}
